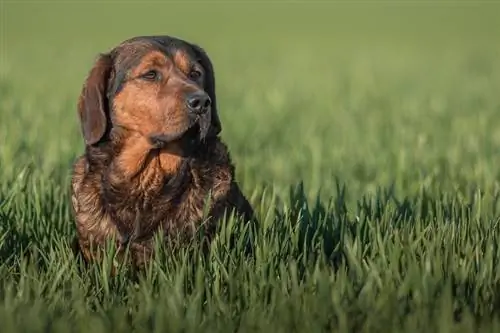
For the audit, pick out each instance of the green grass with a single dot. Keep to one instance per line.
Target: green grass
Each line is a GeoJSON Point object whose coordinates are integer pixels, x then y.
{"type": "Point", "coordinates": [367, 137]}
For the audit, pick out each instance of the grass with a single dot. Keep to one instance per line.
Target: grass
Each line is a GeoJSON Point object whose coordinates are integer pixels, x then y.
{"type": "Point", "coordinates": [365, 135]}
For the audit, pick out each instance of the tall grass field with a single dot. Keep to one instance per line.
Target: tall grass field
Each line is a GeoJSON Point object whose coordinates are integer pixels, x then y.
{"type": "Point", "coordinates": [365, 134]}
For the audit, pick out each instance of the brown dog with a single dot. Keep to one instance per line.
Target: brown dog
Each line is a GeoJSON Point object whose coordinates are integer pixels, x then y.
{"type": "Point", "coordinates": [152, 153]}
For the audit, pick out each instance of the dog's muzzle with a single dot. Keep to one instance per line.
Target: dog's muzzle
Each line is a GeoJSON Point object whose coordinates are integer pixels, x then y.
{"type": "Point", "coordinates": [196, 132]}
{"type": "Point", "coordinates": [199, 106]}
{"type": "Point", "coordinates": [204, 122]}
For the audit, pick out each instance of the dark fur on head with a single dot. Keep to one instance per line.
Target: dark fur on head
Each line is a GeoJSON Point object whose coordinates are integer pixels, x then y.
{"type": "Point", "coordinates": [150, 161]}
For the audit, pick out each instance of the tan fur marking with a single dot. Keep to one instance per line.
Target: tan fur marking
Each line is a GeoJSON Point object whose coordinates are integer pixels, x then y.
{"type": "Point", "coordinates": [181, 60]}
{"type": "Point", "coordinates": [169, 162]}
{"type": "Point", "coordinates": [138, 158]}
{"type": "Point", "coordinates": [152, 60]}
{"type": "Point", "coordinates": [133, 157]}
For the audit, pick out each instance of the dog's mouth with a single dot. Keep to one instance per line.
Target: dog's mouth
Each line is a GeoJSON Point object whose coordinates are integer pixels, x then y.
{"type": "Point", "coordinates": [187, 139]}
{"type": "Point", "coordinates": [192, 136]}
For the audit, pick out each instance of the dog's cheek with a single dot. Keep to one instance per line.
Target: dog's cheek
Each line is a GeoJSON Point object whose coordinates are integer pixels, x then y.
{"type": "Point", "coordinates": [173, 114]}
{"type": "Point", "coordinates": [141, 109]}
{"type": "Point", "coordinates": [129, 108]}
{"type": "Point", "coordinates": [120, 115]}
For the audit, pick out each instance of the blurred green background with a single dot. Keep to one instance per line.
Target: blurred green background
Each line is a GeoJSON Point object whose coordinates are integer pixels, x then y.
{"type": "Point", "coordinates": [308, 89]}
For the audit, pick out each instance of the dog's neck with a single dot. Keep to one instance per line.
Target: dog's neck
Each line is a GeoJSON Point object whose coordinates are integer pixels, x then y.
{"type": "Point", "coordinates": [131, 162]}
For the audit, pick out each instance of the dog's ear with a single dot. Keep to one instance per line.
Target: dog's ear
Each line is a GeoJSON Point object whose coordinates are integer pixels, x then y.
{"type": "Point", "coordinates": [93, 101]}
{"type": "Point", "coordinates": [209, 84]}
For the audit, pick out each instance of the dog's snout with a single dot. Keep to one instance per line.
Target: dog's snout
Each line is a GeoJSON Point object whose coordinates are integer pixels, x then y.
{"type": "Point", "coordinates": [198, 102]}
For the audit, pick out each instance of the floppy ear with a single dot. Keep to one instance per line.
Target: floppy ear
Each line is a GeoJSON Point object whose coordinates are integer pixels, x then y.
{"type": "Point", "coordinates": [209, 84]}
{"type": "Point", "coordinates": [93, 101]}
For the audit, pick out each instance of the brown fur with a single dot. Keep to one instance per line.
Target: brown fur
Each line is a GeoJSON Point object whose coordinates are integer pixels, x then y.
{"type": "Point", "coordinates": [128, 186]}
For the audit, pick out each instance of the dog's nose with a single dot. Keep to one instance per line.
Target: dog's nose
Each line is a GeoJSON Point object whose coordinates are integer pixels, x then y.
{"type": "Point", "coordinates": [198, 102]}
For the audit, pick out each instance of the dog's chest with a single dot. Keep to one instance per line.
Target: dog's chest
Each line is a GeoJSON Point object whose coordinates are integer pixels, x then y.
{"type": "Point", "coordinates": [172, 208]}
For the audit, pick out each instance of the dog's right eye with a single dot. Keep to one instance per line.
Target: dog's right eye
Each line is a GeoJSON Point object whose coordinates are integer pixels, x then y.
{"type": "Point", "coordinates": [151, 75]}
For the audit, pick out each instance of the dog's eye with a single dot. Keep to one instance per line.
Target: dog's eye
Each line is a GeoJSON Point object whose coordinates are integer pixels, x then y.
{"type": "Point", "coordinates": [194, 75]}
{"type": "Point", "coordinates": [151, 75]}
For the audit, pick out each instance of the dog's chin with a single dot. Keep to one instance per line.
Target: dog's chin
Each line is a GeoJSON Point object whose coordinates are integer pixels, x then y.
{"type": "Point", "coordinates": [188, 141]}
{"type": "Point", "coordinates": [191, 138]}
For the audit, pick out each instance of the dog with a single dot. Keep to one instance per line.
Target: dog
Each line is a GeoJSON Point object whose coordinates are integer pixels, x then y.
{"type": "Point", "coordinates": [153, 153]}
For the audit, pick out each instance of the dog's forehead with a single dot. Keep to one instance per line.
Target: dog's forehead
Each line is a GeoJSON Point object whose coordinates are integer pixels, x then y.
{"type": "Point", "coordinates": [129, 52]}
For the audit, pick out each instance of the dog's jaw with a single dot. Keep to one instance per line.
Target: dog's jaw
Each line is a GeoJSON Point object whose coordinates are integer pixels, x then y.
{"type": "Point", "coordinates": [197, 131]}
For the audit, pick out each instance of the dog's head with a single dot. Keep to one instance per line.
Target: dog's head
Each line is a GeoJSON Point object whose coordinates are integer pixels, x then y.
{"type": "Point", "coordinates": [158, 86]}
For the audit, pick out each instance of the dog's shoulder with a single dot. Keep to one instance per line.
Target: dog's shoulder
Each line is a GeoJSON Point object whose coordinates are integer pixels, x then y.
{"type": "Point", "coordinates": [79, 169]}
{"type": "Point", "coordinates": [218, 169]}
{"type": "Point", "coordinates": [90, 215]}
{"type": "Point", "coordinates": [86, 171]}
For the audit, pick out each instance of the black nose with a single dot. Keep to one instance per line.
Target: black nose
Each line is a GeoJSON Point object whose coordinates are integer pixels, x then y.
{"type": "Point", "coordinates": [198, 102]}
